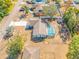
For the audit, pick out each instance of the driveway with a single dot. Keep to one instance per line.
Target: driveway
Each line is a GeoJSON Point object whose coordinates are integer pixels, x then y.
{"type": "Point", "coordinates": [6, 20]}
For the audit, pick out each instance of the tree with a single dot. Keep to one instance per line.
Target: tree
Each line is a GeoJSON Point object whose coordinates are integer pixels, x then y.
{"type": "Point", "coordinates": [58, 1]}
{"type": "Point", "coordinates": [15, 47]}
{"type": "Point", "coordinates": [5, 7]}
{"type": "Point", "coordinates": [70, 18]}
{"type": "Point", "coordinates": [74, 48]}
{"type": "Point", "coordinates": [50, 10]}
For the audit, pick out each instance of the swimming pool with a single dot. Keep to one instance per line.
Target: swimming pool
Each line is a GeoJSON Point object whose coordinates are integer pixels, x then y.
{"type": "Point", "coordinates": [38, 0]}
{"type": "Point", "coordinates": [51, 30]}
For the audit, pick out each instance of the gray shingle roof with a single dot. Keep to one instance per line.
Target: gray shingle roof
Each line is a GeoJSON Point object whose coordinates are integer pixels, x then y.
{"type": "Point", "coordinates": [40, 28]}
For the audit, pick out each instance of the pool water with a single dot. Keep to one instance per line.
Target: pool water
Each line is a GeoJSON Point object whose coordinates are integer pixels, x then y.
{"type": "Point", "coordinates": [38, 0]}
{"type": "Point", "coordinates": [51, 30]}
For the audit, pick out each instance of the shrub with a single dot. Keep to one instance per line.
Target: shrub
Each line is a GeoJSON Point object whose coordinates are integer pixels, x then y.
{"type": "Point", "coordinates": [71, 20]}
{"type": "Point", "coordinates": [74, 48]}
{"type": "Point", "coordinates": [15, 47]}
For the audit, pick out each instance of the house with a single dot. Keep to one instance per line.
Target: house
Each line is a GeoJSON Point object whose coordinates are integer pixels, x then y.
{"type": "Point", "coordinates": [40, 31]}
{"type": "Point", "coordinates": [76, 1]}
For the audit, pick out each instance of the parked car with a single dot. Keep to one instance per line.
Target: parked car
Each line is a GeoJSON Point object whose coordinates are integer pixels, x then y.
{"type": "Point", "coordinates": [30, 2]}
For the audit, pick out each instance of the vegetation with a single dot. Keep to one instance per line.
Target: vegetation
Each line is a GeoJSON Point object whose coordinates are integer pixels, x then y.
{"type": "Point", "coordinates": [58, 1]}
{"type": "Point", "coordinates": [50, 10]}
{"type": "Point", "coordinates": [5, 7]}
{"type": "Point", "coordinates": [15, 47]}
{"type": "Point", "coordinates": [74, 48]}
{"type": "Point", "coordinates": [26, 9]}
{"type": "Point", "coordinates": [70, 18]}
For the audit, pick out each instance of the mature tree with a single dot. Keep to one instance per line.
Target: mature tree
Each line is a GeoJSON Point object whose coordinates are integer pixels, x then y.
{"type": "Point", "coordinates": [5, 7]}
{"type": "Point", "coordinates": [70, 18]}
{"type": "Point", "coordinates": [74, 48]}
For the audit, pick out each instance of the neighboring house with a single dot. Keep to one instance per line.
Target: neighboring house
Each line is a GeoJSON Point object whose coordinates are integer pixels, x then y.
{"type": "Point", "coordinates": [39, 1]}
{"type": "Point", "coordinates": [76, 1]}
